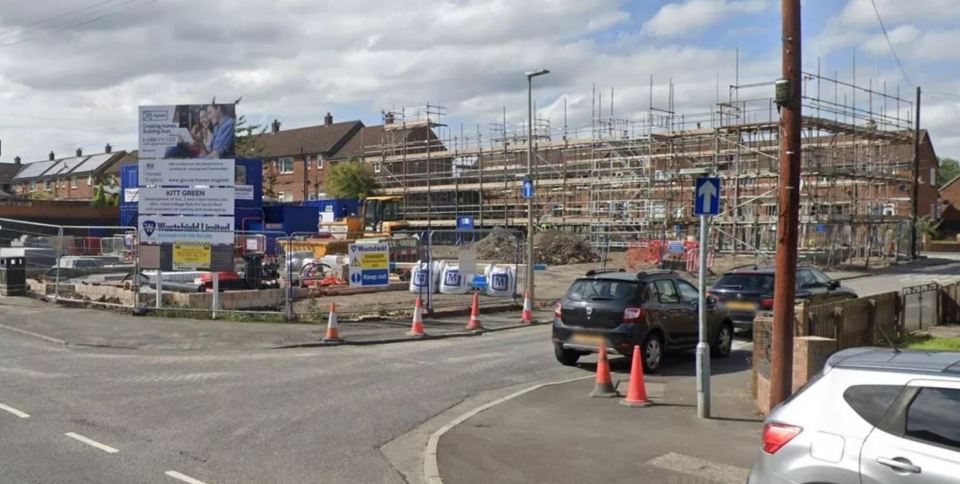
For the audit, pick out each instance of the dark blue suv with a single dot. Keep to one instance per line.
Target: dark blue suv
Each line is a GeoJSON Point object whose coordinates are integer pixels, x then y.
{"type": "Point", "coordinates": [656, 310]}
{"type": "Point", "coordinates": [745, 291]}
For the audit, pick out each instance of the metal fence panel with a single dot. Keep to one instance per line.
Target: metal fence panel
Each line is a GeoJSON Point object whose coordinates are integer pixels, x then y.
{"type": "Point", "coordinates": [921, 306]}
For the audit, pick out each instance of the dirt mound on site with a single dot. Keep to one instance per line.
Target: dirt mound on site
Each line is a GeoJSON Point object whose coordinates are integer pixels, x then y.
{"type": "Point", "coordinates": [499, 245]}
{"type": "Point", "coordinates": [552, 247]}
{"type": "Point", "coordinates": [555, 248]}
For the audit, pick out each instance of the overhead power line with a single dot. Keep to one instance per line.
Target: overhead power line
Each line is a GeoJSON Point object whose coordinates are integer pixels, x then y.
{"type": "Point", "coordinates": [893, 51]}
{"type": "Point", "coordinates": [112, 10]}
{"type": "Point", "coordinates": [52, 19]}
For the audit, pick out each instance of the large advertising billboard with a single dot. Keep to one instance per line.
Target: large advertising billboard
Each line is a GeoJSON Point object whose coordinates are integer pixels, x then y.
{"type": "Point", "coordinates": [187, 131]}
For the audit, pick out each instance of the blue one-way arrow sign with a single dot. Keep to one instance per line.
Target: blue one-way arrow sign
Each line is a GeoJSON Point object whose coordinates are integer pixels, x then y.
{"type": "Point", "coordinates": [526, 190]}
{"type": "Point", "coordinates": [707, 197]}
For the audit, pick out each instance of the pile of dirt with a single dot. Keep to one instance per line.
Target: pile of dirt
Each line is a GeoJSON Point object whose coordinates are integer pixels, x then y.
{"type": "Point", "coordinates": [498, 245]}
{"type": "Point", "coordinates": [555, 247]}
{"type": "Point", "coordinates": [552, 247]}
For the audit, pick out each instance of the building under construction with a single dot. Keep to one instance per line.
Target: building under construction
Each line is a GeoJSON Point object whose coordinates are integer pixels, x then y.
{"type": "Point", "coordinates": [622, 181]}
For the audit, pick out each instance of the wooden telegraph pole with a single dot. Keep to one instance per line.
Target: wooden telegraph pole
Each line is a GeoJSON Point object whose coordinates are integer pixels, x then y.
{"type": "Point", "coordinates": [789, 101]}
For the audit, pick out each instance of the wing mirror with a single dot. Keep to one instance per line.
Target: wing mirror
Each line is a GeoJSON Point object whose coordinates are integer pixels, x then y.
{"type": "Point", "coordinates": [834, 285]}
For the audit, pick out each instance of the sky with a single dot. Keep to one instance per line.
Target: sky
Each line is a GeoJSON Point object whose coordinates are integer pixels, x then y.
{"type": "Point", "coordinates": [73, 72]}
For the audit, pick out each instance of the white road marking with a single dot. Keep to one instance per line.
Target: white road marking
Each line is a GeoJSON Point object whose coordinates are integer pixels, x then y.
{"type": "Point", "coordinates": [700, 468]}
{"type": "Point", "coordinates": [183, 477]}
{"type": "Point", "coordinates": [14, 411]}
{"type": "Point", "coordinates": [92, 443]}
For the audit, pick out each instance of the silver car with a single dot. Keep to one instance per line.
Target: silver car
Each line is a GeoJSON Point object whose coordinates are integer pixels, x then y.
{"type": "Point", "coordinates": [872, 416]}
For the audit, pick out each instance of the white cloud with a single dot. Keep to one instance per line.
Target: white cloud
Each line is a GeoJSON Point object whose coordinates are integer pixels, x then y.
{"type": "Point", "coordinates": [860, 13]}
{"type": "Point", "coordinates": [678, 19]}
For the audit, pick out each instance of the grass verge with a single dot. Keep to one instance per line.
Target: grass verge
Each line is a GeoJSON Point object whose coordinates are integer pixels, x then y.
{"type": "Point", "coordinates": [927, 342]}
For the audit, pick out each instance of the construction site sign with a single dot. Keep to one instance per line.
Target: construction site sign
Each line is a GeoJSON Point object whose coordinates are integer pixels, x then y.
{"type": "Point", "coordinates": [172, 229]}
{"type": "Point", "coordinates": [191, 256]}
{"type": "Point", "coordinates": [187, 131]}
{"type": "Point", "coordinates": [187, 172]}
{"type": "Point", "coordinates": [186, 201]}
{"type": "Point", "coordinates": [369, 265]}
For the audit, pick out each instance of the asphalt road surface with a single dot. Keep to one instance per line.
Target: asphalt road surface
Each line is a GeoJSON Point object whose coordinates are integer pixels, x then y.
{"type": "Point", "coordinates": [73, 415]}
{"type": "Point", "coordinates": [896, 279]}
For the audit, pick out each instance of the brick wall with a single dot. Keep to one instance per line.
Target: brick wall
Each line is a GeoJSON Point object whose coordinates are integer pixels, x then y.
{"type": "Point", "coordinates": [291, 184]}
{"type": "Point", "coordinates": [810, 353]}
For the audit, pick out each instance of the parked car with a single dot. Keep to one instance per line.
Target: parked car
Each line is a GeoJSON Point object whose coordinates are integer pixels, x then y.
{"type": "Point", "coordinates": [656, 310]}
{"type": "Point", "coordinates": [747, 290]}
{"type": "Point", "coordinates": [872, 416]}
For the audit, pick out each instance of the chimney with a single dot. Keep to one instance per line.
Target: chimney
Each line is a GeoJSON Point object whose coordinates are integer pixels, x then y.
{"type": "Point", "coordinates": [52, 156]}
{"type": "Point", "coordinates": [79, 152]}
{"type": "Point", "coordinates": [108, 148]}
{"type": "Point", "coordinates": [275, 126]}
{"type": "Point", "coordinates": [328, 119]}
{"type": "Point", "coordinates": [16, 160]}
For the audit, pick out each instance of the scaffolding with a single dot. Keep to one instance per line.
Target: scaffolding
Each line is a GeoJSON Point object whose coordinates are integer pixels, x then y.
{"type": "Point", "coordinates": [623, 180]}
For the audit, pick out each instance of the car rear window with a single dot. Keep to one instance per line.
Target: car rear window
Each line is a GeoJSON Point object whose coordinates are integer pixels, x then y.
{"type": "Point", "coordinates": [602, 290]}
{"type": "Point", "coordinates": [870, 401]}
{"type": "Point", "coordinates": [762, 282]}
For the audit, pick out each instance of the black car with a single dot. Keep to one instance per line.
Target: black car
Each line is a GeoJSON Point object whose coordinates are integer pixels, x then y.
{"type": "Point", "coordinates": [746, 291]}
{"type": "Point", "coordinates": [656, 310]}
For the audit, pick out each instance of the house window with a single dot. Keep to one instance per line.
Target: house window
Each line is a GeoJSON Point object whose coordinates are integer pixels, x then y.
{"type": "Point", "coordinates": [308, 161]}
{"type": "Point", "coordinates": [285, 197]}
{"type": "Point", "coordinates": [285, 165]}
{"type": "Point", "coordinates": [319, 162]}
{"type": "Point", "coordinates": [33, 186]}
{"type": "Point", "coordinates": [73, 182]}
{"type": "Point", "coordinates": [89, 180]}
{"type": "Point", "coordinates": [46, 185]}
{"type": "Point", "coordinates": [377, 167]}
{"type": "Point", "coordinates": [933, 176]}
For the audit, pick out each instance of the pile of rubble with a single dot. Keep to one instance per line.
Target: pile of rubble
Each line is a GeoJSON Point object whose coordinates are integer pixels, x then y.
{"type": "Point", "coordinates": [555, 247]}
{"type": "Point", "coordinates": [499, 245]}
{"type": "Point", "coordinates": [552, 247]}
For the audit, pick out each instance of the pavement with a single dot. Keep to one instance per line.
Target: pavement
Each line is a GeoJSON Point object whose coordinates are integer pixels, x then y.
{"type": "Point", "coordinates": [558, 434]}
{"type": "Point", "coordinates": [119, 329]}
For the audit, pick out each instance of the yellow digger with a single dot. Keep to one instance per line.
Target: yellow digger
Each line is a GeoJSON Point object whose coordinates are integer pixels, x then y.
{"type": "Point", "coordinates": [379, 221]}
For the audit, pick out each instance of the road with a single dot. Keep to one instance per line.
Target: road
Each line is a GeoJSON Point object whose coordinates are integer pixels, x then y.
{"type": "Point", "coordinates": [304, 415]}
{"type": "Point", "coordinates": [894, 279]}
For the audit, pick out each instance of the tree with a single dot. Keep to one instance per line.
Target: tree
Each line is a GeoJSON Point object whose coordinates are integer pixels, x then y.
{"type": "Point", "coordinates": [248, 145]}
{"type": "Point", "coordinates": [949, 169]}
{"type": "Point", "coordinates": [352, 179]}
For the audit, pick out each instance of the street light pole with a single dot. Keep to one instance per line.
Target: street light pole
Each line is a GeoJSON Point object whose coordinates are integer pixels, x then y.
{"type": "Point", "coordinates": [529, 277]}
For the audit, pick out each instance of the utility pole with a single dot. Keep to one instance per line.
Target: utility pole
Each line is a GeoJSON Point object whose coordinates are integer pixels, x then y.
{"type": "Point", "coordinates": [784, 291]}
{"type": "Point", "coordinates": [914, 205]}
{"type": "Point", "coordinates": [529, 275]}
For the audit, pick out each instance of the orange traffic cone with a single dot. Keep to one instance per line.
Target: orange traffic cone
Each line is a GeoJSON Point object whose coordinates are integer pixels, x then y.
{"type": "Point", "coordinates": [527, 316]}
{"type": "Point", "coordinates": [417, 328]}
{"type": "Point", "coordinates": [474, 323]}
{"type": "Point", "coordinates": [637, 392]}
{"type": "Point", "coordinates": [604, 387]}
{"type": "Point", "coordinates": [333, 329]}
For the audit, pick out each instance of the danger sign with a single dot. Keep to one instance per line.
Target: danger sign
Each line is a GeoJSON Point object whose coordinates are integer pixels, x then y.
{"type": "Point", "coordinates": [369, 265]}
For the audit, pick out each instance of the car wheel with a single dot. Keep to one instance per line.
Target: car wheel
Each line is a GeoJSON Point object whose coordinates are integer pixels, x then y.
{"type": "Point", "coordinates": [724, 342]}
{"type": "Point", "coordinates": [564, 356]}
{"type": "Point", "coordinates": [652, 353]}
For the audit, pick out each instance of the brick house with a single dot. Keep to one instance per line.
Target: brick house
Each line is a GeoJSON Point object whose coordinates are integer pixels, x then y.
{"type": "Point", "coordinates": [296, 160]}
{"type": "Point", "coordinates": [7, 172]}
{"type": "Point", "coordinates": [72, 178]}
